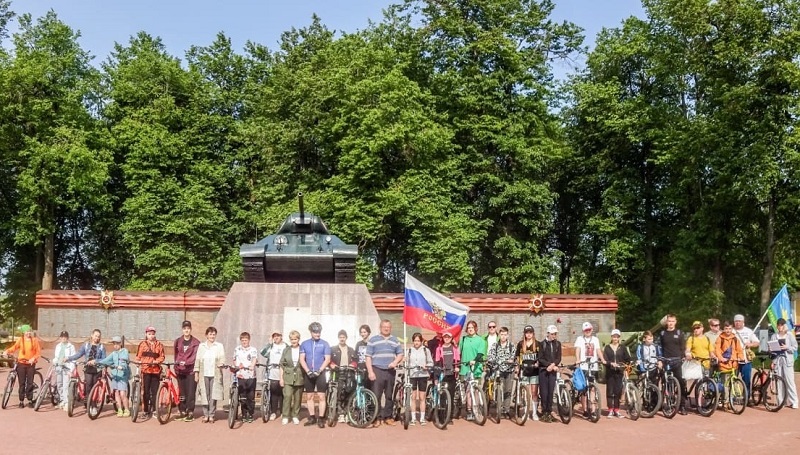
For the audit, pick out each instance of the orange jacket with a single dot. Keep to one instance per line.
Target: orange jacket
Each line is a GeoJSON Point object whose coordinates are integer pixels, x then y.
{"type": "Point", "coordinates": [29, 349]}
{"type": "Point", "coordinates": [152, 353]}
{"type": "Point", "coordinates": [729, 352]}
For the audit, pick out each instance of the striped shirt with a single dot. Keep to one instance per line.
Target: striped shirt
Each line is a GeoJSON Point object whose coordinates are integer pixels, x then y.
{"type": "Point", "coordinates": [383, 350]}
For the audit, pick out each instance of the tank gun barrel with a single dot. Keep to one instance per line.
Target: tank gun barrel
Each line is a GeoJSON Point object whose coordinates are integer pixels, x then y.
{"type": "Point", "coordinates": [302, 209]}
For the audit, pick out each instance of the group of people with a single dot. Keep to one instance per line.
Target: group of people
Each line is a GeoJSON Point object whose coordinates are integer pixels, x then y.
{"type": "Point", "coordinates": [296, 367]}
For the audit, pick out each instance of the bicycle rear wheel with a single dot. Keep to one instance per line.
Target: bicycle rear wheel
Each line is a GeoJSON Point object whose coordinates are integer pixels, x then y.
{"type": "Point", "coordinates": [41, 396]}
{"type": "Point", "coordinates": [96, 401]}
{"type": "Point", "coordinates": [266, 402]}
{"type": "Point", "coordinates": [332, 411]}
{"type": "Point", "coordinates": [38, 380]}
{"type": "Point", "coordinates": [521, 403]}
{"type": "Point", "coordinates": [72, 393]}
{"type": "Point", "coordinates": [136, 400]}
{"type": "Point", "coordinates": [757, 387]}
{"type": "Point", "coordinates": [55, 398]}
{"type": "Point", "coordinates": [12, 377]}
{"type": "Point", "coordinates": [706, 397]}
{"type": "Point", "coordinates": [672, 397]}
{"type": "Point", "coordinates": [498, 389]}
{"type": "Point", "coordinates": [564, 405]}
{"type": "Point", "coordinates": [234, 409]}
{"type": "Point", "coordinates": [633, 401]}
{"type": "Point", "coordinates": [363, 408]}
{"type": "Point", "coordinates": [397, 394]}
{"type": "Point", "coordinates": [775, 393]}
{"type": "Point", "coordinates": [441, 410]}
{"type": "Point", "coordinates": [429, 401]}
{"type": "Point", "coordinates": [163, 404]}
{"type": "Point", "coordinates": [593, 403]}
{"type": "Point", "coordinates": [737, 395]}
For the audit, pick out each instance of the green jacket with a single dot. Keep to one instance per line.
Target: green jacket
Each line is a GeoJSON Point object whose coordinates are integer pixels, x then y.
{"type": "Point", "coordinates": [292, 373]}
{"type": "Point", "coordinates": [470, 347]}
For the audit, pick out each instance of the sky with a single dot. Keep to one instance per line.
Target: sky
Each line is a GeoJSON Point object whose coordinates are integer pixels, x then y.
{"type": "Point", "coordinates": [183, 23]}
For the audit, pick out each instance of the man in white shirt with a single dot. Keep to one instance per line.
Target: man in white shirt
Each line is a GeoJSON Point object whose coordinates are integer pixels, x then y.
{"type": "Point", "coordinates": [749, 340]}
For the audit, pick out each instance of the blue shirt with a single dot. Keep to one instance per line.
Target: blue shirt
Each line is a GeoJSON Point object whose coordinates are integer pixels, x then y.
{"type": "Point", "coordinates": [315, 351]}
{"type": "Point", "coordinates": [383, 350]}
{"type": "Point", "coordinates": [118, 361]}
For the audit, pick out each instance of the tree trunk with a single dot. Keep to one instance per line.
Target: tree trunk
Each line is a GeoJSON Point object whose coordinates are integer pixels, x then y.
{"type": "Point", "coordinates": [769, 256]}
{"type": "Point", "coordinates": [49, 262]}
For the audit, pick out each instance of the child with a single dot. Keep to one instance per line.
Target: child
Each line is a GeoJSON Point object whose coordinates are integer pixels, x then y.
{"type": "Point", "coordinates": [64, 350]}
{"type": "Point", "coordinates": [647, 356]}
{"type": "Point", "coordinates": [29, 353]}
{"type": "Point", "coordinates": [120, 374]}
{"type": "Point", "coordinates": [447, 355]}
{"type": "Point", "coordinates": [150, 353]}
{"type": "Point", "coordinates": [244, 357]}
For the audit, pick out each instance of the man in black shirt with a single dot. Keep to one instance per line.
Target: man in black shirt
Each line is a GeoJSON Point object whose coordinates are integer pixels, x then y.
{"type": "Point", "coordinates": [673, 346]}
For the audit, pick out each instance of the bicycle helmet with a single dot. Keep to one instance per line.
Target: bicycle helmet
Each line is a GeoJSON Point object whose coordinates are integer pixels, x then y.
{"type": "Point", "coordinates": [315, 327]}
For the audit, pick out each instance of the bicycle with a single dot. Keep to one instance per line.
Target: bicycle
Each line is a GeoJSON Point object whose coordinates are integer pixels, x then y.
{"type": "Point", "coordinates": [670, 388]}
{"type": "Point", "coordinates": [401, 395]}
{"type": "Point", "coordinates": [236, 400]}
{"type": "Point", "coordinates": [49, 387]}
{"type": "Point", "coordinates": [649, 393]}
{"type": "Point", "coordinates": [362, 408]}
{"type": "Point", "coordinates": [706, 397]}
{"type": "Point", "coordinates": [591, 393]}
{"type": "Point", "coordinates": [438, 400]}
{"type": "Point", "coordinates": [768, 386]}
{"type": "Point", "coordinates": [562, 394]}
{"type": "Point", "coordinates": [266, 393]}
{"type": "Point", "coordinates": [76, 389]}
{"type": "Point", "coordinates": [168, 395]}
{"type": "Point", "coordinates": [470, 384]}
{"type": "Point", "coordinates": [631, 394]}
{"type": "Point", "coordinates": [520, 401]}
{"type": "Point", "coordinates": [332, 398]}
{"type": "Point", "coordinates": [100, 394]}
{"type": "Point", "coordinates": [12, 378]}
{"type": "Point", "coordinates": [136, 391]}
{"type": "Point", "coordinates": [732, 391]}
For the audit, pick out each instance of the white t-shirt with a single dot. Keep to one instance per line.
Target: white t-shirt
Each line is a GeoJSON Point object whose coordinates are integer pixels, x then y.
{"type": "Point", "coordinates": [491, 340]}
{"type": "Point", "coordinates": [588, 349]}
{"type": "Point", "coordinates": [296, 355]}
{"type": "Point", "coordinates": [243, 358]}
{"type": "Point", "coordinates": [746, 336]}
{"type": "Point", "coordinates": [275, 354]}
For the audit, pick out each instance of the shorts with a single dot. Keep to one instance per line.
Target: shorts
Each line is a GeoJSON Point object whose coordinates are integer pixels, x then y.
{"type": "Point", "coordinates": [320, 384]}
{"type": "Point", "coordinates": [119, 385]}
{"type": "Point", "coordinates": [420, 384]}
{"type": "Point", "coordinates": [532, 380]}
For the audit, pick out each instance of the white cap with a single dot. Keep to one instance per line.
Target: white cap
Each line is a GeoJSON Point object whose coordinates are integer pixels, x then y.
{"type": "Point", "coordinates": [587, 326]}
{"type": "Point", "coordinates": [552, 329]}
{"type": "Point", "coordinates": [616, 332]}
{"type": "Point", "coordinates": [738, 317]}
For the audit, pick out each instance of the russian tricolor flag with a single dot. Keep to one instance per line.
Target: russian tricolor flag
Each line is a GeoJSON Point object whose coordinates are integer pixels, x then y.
{"type": "Point", "coordinates": [430, 310]}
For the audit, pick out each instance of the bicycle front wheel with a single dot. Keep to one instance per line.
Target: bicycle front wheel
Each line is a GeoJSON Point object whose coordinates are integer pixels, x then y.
{"type": "Point", "coordinates": [96, 401]}
{"type": "Point", "coordinates": [266, 402]}
{"type": "Point", "coordinates": [737, 395]}
{"type": "Point", "coordinates": [479, 405]}
{"type": "Point", "coordinates": [633, 402]}
{"type": "Point", "coordinates": [775, 393]}
{"type": "Point", "coordinates": [593, 402]}
{"type": "Point", "coordinates": [651, 400]}
{"type": "Point", "coordinates": [672, 397]}
{"type": "Point", "coordinates": [333, 398]}
{"type": "Point", "coordinates": [498, 389]}
{"type": "Point", "coordinates": [757, 388]}
{"type": "Point", "coordinates": [12, 377]}
{"type": "Point", "coordinates": [429, 405]}
{"type": "Point", "coordinates": [163, 404]}
{"type": "Point", "coordinates": [72, 393]}
{"type": "Point", "coordinates": [406, 407]}
{"type": "Point", "coordinates": [40, 397]}
{"type": "Point", "coordinates": [136, 400]}
{"type": "Point", "coordinates": [363, 408]}
{"type": "Point", "coordinates": [564, 405]}
{"type": "Point", "coordinates": [521, 403]}
{"type": "Point", "coordinates": [706, 397]}
{"type": "Point", "coordinates": [441, 410]}
{"type": "Point", "coordinates": [234, 408]}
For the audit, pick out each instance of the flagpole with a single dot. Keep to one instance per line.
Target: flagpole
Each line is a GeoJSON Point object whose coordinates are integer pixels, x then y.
{"type": "Point", "coordinates": [762, 317]}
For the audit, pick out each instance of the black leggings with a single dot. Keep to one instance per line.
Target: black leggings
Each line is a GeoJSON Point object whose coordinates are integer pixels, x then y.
{"type": "Point", "coordinates": [613, 389]}
{"type": "Point", "coordinates": [247, 389]}
{"type": "Point", "coordinates": [547, 385]}
{"type": "Point", "coordinates": [150, 389]}
{"type": "Point", "coordinates": [276, 396]}
{"type": "Point", "coordinates": [25, 377]}
{"type": "Point", "coordinates": [188, 392]}
{"type": "Point", "coordinates": [89, 380]}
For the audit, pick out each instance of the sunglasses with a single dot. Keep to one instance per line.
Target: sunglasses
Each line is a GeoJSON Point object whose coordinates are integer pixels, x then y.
{"type": "Point", "coordinates": [492, 326]}
{"type": "Point", "coordinates": [714, 325]}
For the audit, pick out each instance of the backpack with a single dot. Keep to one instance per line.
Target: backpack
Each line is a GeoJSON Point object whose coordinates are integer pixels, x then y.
{"type": "Point", "coordinates": [579, 380]}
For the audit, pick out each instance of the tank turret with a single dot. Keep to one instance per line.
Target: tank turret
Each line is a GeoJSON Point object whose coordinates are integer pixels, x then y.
{"type": "Point", "coordinates": [302, 251]}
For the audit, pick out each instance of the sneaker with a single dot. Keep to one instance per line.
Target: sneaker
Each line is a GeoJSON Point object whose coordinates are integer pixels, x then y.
{"type": "Point", "coordinates": [21, 405]}
{"type": "Point", "coordinates": [341, 419]}
{"type": "Point", "coordinates": [390, 421]}
{"type": "Point", "coordinates": [284, 421]}
{"type": "Point", "coordinates": [470, 417]}
{"type": "Point", "coordinates": [30, 404]}
{"type": "Point", "coordinates": [273, 417]}
{"type": "Point", "coordinates": [535, 416]}
{"type": "Point", "coordinates": [126, 413]}
{"type": "Point", "coordinates": [188, 418]}
{"type": "Point", "coordinates": [610, 415]}
{"type": "Point", "coordinates": [412, 423]}
{"type": "Point", "coordinates": [620, 415]}
{"type": "Point", "coordinates": [422, 422]}
{"type": "Point", "coordinates": [295, 421]}
{"type": "Point", "coordinates": [312, 420]}
{"type": "Point", "coordinates": [119, 412]}
{"type": "Point", "coordinates": [321, 423]}
{"type": "Point", "coordinates": [586, 414]}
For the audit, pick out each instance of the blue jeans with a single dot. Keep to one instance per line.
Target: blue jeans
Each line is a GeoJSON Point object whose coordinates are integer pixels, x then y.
{"type": "Point", "coordinates": [746, 373]}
